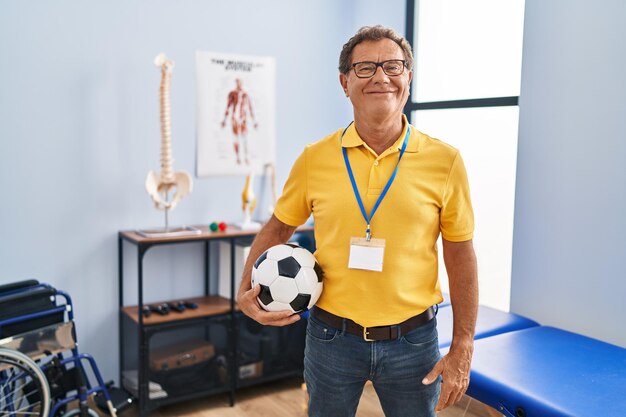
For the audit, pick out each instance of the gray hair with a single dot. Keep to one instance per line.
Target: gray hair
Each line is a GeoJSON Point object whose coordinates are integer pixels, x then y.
{"type": "Point", "coordinates": [373, 33]}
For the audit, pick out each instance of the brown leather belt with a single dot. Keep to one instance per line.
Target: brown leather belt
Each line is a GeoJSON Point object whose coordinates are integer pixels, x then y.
{"type": "Point", "coordinates": [371, 334]}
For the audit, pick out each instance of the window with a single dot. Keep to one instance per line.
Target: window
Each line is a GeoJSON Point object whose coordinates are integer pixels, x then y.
{"type": "Point", "coordinates": [466, 83]}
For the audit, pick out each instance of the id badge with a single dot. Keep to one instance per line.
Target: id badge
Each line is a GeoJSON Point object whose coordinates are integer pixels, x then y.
{"type": "Point", "coordinates": [367, 255]}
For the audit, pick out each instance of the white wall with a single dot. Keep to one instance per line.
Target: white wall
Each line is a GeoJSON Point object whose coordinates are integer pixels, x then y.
{"type": "Point", "coordinates": [569, 246]}
{"type": "Point", "coordinates": [79, 131]}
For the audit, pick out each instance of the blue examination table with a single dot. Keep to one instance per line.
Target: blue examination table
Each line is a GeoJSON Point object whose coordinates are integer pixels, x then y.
{"type": "Point", "coordinates": [488, 323]}
{"type": "Point", "coordinates": [548, 372]}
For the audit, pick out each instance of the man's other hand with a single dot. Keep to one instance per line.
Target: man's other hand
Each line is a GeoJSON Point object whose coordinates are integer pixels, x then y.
{"type": "Point", "coordinates": [454, 369]}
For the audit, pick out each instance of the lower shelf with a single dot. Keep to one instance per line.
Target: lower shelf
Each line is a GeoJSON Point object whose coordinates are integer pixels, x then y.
{"type": "Point", "coordinates": [263, 354]}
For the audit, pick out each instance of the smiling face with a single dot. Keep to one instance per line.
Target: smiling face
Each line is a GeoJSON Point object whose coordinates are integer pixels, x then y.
{"type": "Point", "coordinates": [380, 96]}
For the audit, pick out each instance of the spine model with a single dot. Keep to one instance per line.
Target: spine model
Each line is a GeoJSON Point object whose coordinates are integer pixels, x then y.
{"type": "Point", "coordinates": [160, 185]}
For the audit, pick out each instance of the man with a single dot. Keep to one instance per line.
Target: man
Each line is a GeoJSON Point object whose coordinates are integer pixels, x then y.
{"type": "Point", "coordinates": [239, 106]}
{"type": "Point", "coordinates": [380, 193]}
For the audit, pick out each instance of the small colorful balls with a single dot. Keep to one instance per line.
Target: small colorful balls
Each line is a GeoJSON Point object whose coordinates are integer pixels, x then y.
{"type": "Point", "coordinates": [214, 226]}
{"type": "Point", "coordinates": [222, 226]}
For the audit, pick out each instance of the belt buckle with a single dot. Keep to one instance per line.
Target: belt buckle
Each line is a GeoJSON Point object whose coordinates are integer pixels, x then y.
{"type": "Point", "coordinates": [365, 333]}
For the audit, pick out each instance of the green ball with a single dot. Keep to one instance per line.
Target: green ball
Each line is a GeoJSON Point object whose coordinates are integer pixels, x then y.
{"type": "Point", "coordinates": [214, 226]}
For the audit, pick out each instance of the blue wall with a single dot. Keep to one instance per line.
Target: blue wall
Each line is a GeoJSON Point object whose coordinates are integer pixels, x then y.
{"type": "Point", "coordinates": [79, 131]}
{"type": "Point", "coordinates": [569, 246]}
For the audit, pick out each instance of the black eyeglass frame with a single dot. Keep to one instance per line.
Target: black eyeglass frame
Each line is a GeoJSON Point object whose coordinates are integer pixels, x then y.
{"type": "Point", "coordinates": [381, 65]}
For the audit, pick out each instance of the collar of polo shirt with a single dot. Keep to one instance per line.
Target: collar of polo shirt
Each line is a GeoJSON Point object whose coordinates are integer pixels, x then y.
{"type": "Point", "coordinates": [352, 139]}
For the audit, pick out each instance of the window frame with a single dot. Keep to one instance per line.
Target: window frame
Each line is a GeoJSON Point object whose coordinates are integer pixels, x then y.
{"type": "Point", "coordinates": [412, 105]}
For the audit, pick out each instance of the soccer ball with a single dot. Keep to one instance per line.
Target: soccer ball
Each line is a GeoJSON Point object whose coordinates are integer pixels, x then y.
{"type": "Point", "coordinates": [290, 278]}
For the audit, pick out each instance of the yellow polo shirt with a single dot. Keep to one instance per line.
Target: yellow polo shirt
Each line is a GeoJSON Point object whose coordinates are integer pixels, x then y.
{"type": "Point", "coordinates": [430, 195]}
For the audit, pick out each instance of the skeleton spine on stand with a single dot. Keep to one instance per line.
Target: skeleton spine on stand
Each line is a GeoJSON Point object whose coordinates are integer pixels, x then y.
{"type": "Point", "coordinates": [161, 185]}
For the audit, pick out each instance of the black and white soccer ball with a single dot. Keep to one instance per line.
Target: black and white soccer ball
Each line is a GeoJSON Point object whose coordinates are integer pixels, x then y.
{"type": "Point", "coordinates": [290, 278]}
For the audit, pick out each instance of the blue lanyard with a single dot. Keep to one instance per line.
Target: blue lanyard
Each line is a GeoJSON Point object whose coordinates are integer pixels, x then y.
{"type": "Point", "coordinates": [368, 234]}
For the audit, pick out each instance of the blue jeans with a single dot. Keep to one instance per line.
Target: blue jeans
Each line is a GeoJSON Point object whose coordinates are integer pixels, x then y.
{"type": "Point", "coordinates": [337, 365]}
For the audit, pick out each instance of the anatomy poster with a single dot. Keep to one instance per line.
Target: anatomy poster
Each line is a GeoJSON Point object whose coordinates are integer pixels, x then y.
{"type": "Point", "coordinates": [236, 113]}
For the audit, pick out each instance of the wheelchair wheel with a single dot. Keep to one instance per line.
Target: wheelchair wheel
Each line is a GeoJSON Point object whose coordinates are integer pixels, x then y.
{"type": "Point", "coordinates": [24, 390]}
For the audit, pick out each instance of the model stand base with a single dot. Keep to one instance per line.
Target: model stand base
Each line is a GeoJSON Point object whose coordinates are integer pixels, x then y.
{"type": "Point", "coordinates": [247, 226]}
{"type": "Point", "coordinates": [170, 231]}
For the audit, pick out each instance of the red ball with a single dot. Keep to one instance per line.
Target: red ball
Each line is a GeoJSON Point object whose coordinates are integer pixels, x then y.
{"type": "Point", "coordinates": [222, 226]}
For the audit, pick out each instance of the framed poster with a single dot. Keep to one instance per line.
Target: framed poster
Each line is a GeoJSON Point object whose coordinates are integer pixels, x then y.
{"type": "Point", "coordinates": [236, 113]}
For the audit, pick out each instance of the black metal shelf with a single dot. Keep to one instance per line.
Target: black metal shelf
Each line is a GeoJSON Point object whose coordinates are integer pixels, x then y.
{"type": "Point", "coordinates": [136, 331]}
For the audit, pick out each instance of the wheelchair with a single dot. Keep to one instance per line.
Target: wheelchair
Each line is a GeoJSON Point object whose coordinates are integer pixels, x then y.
{"type": "Point", "coordinates": [41, 369]}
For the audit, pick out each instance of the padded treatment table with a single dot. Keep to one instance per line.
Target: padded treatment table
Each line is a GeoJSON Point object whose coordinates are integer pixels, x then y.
{"type": "Point", "coordinates": [489, 322]}
{"type": "Point", "coordinates": [548, 372]}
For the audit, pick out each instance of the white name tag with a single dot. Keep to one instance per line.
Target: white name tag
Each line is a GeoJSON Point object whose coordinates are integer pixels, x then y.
{"type": "Point", "coordinates": [367, 255]}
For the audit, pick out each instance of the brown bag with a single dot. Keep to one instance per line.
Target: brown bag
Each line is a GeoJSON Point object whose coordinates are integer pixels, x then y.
{"type": "Point", "coordinates": [180, 355]}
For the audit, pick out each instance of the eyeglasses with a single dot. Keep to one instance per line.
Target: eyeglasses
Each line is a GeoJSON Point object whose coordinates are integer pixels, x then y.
{"type": "Point", "coordinates": [367, 69]}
